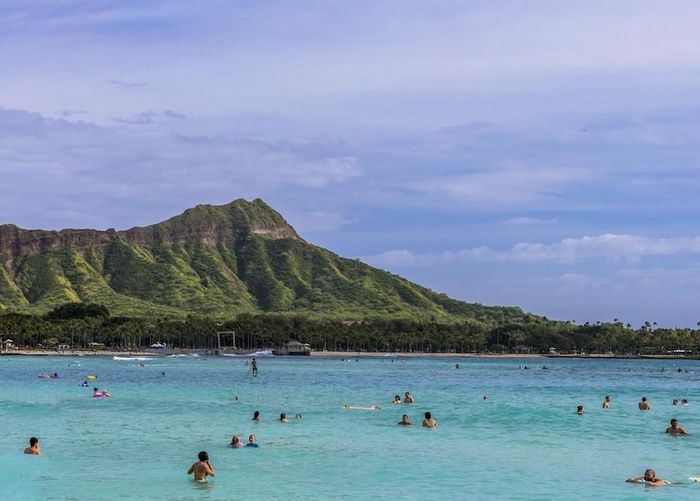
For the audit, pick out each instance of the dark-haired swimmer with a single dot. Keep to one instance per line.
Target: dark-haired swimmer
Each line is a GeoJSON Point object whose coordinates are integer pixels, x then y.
{"type": "Point", "coordinates": [397, 400]}
{"type": "Point", "coordinates": [580, 410]}
{"type": "Point", "coordinates": [33, 448]}
{"type": "Point", "coordinates": [257, 416]}
{"type": "Point", "coordinates": [674, 429]}
{"type": "Point", "coordinates": [606, 402]}
{"type": "Point", "coordinates": [649, 478]}
{"type": "Point", "coordinates": [404, 421]}
{"type": "Point", "coordinates": [408, 398]}
{"type": "Point", "coordinates": [283, 418]}
{"type": "Point", "coordinates": [644, 405]}
{"type": "Point", "coordinates": [202, 468]}
{"type": "Point", "coordinates": [429, 422]}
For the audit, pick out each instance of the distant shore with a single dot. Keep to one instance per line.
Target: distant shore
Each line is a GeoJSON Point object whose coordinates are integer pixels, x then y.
{"type": "Point", "coordinates": [339, 354]}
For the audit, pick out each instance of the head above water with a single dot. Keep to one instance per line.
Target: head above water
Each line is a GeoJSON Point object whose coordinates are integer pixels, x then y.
{"type": "Point", "coordinates": [674, 422]}
{"type": "Point", "coordinates": [644, 399]}
{"type": "Point", "coordinates": [428, 415]}
{"type": "Point", "coordinates": [251, 439]}
{"type": "Point", "coordinates": [203, 456]}
{"type": "Point", "coordinates": [235, 439]}
{"type": "Point", "coordinates": [33, 441]}
{"type": "Point", "coordinates": [649, 475]}
{"type": "Point", "coordinates": [256, 415]}
{"type": "Point", "coordinates": [283, 416]}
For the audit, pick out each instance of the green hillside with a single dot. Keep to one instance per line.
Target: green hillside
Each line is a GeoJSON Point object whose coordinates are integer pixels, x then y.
{"type": "Point", "coordinates": [217, 261]}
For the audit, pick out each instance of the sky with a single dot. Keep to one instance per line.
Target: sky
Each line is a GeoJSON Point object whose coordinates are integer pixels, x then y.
{"type": "Point", "coordinates": [542, 154]}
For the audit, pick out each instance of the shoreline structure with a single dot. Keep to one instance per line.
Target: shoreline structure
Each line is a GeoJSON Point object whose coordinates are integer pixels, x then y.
{"type": "Point", "coordinates": [342, 354]}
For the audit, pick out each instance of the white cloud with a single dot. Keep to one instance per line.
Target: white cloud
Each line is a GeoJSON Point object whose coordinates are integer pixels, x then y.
{"type": "Point", "coordinates": [515, 186]}
{"type": "Point", "coordinates": [608, 247]}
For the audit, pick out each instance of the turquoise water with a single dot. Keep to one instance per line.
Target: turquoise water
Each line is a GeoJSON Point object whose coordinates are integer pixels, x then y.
{"type": "Point", "coordinates": [524, 442]}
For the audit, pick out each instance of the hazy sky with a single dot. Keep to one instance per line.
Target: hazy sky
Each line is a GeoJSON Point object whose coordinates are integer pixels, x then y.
{"type": "Point", "coordinates": [543, 154]}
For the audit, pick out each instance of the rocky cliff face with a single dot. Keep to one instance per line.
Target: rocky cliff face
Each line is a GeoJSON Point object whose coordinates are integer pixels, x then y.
{"type": "Point", "coordinates": [212, 225]}
{"type": "Point", "coordinates": [210, 260]}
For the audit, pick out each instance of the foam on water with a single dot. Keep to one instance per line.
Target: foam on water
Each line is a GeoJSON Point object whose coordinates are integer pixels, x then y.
{"type": "Point", "coordinates": [131, 358]}
{"type": "Point", "coordinates": [524, 442]}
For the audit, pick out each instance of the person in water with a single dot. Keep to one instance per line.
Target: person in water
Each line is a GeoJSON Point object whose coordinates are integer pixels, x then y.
{"type": "Point", "coordinates": [404, 421]}
{"type": "Point", "coordinates": [429, 422]}
{"type": "Point", "coordinates": [202, 468]}
{"type": "Point", "coordinates": [485, 397]}
{"type": "Point", "coordinates": [33, 448]}
{"type": "Point", "coordinates": [254, 365]}
{"type": "Point", "coordinates": [580, 410]}
{"type": "Point", "coordinates": [397, 400]}
{"type": "Point", "coordinates": [408, 398]}
{"type": "Point", "coordinates": [84, 384]}
{"type": "Point", "coordinates": [105, 393]}
{"type": "Point", "coordinates": [684, 402]}
{"type": "Point", "coordinates": [297, 416]}
{"type": "Point", "coordinates": [236, 442]}
{"type": "Point", "coordinates": [257, 416]}
{"type": "Point", "coordinates": [644, 405]}
{"type": "Point", "coordinates": [606, 402]}
{"type": "Point", "coordinates": [649, 478]}
{"type": "Point", "coordinates": [252, 442]}
{"type": "Point", "coordinates": [675, 402]}
{"type": "Point", "coordinates": [283, 418]}
{"type": "Point", "coordinates": [674, 429]}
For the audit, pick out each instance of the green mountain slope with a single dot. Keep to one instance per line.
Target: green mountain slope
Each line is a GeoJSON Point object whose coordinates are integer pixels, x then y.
{"type": "Point", "coordinates": [211, 260]}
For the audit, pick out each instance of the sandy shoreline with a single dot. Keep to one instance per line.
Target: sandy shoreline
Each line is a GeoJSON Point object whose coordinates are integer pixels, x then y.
{"type": "Point", "coordinates": [338, 354]}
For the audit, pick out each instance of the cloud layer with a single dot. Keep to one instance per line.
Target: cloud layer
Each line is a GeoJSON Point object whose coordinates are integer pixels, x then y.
{"type": "Point", "coordinates": [556, 144]}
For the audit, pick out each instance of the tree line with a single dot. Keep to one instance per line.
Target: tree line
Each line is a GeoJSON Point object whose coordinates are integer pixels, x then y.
{"type": "Point", "coordinates": [86, 326]}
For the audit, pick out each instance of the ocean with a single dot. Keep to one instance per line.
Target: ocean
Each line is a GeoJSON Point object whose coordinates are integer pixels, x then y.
{"type": "Point", "coordinates": [524, 442]}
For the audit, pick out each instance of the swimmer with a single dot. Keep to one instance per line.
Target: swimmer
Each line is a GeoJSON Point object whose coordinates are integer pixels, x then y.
{"type": "Point", "coordinates": [429, 422]}
{"type": "Point", "coordinates": [404, 421]}
{"type": "Point", "coordinates": [644, 405]}
{"type": "Point", "coordinates": [254, 366]}
{"type": "Point", "coordinates": [456, 366]}
{"type": "Point", "coordinates": [84, 384]}
{"type": "Point", "coordinates": [252, 442]}
{"type": "Point", "coordinates": [105, 393]}
{"type": "Point", "coordinates": [606, 402]}
{"type": "Point", "coordinates": [96, 392]}
{"type": "Point", "coordinates": [580, 410]}
{"type": "Point", "coordinates": [257, 416]}
{"type": "Point", "coordinates": [675, 402]}
{"type": "Point", "coordinates": [374, 407]}
{"type": "Point", "coordinates": [297, 416]}
{"type": "Point", "coordinates": [397, 400]}
{"type": "Point", "coordinates": [202, 468]}
{"type": "Point", "coordinates": [485, 397]}
{"type": "Point", "coordinates": [237, 399]}
{"type": "Point", "coordinates": [54, 376]}
{"type": "Point", "coordinates": [408, 398]}
{"type": "Point", "coordinates": [674, 429]}
{"type": "Point", "coordinates": [283, 418]}
{"type": "Point", "coordinates": [33, 449]}
{"type": "Point", "coordinates": [649, 478]}
{"type": "Point", "coordinates": [684, 402]}
{"type": "Point", "coordinates": [235, 442]}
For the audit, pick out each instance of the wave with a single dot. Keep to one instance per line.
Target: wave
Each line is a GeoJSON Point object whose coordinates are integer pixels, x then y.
{"type": "Point", "coordinates": [131, 358]}
{"type": "Point", "coordinates": [183, 355]}
{"type": "Point", "coordinates": [257, 354]}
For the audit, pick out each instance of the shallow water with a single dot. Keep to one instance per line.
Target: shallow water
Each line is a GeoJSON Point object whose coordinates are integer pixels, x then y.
{"type": "Point", "coordinates": [524, 442]}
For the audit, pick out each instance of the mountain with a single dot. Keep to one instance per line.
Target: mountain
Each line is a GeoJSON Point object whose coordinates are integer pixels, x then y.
{"type": "Point", "coordinates": [211, 260]}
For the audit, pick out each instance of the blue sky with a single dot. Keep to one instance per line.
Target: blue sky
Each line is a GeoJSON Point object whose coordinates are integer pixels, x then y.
{"type": "Point", "coordinates": [541, 154]}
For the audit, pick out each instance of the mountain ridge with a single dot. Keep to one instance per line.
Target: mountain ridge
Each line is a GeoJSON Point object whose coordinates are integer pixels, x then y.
{"type": "Point", "coordinates": [210, 260]}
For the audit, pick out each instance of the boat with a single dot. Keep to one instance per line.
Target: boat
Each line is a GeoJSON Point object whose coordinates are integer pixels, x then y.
{"type": "Point", "coordinates": [293, 348]}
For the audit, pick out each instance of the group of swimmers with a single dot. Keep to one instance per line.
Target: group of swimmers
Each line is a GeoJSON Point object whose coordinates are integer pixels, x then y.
{"type": "Point", "coordinates": [649, 478]}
